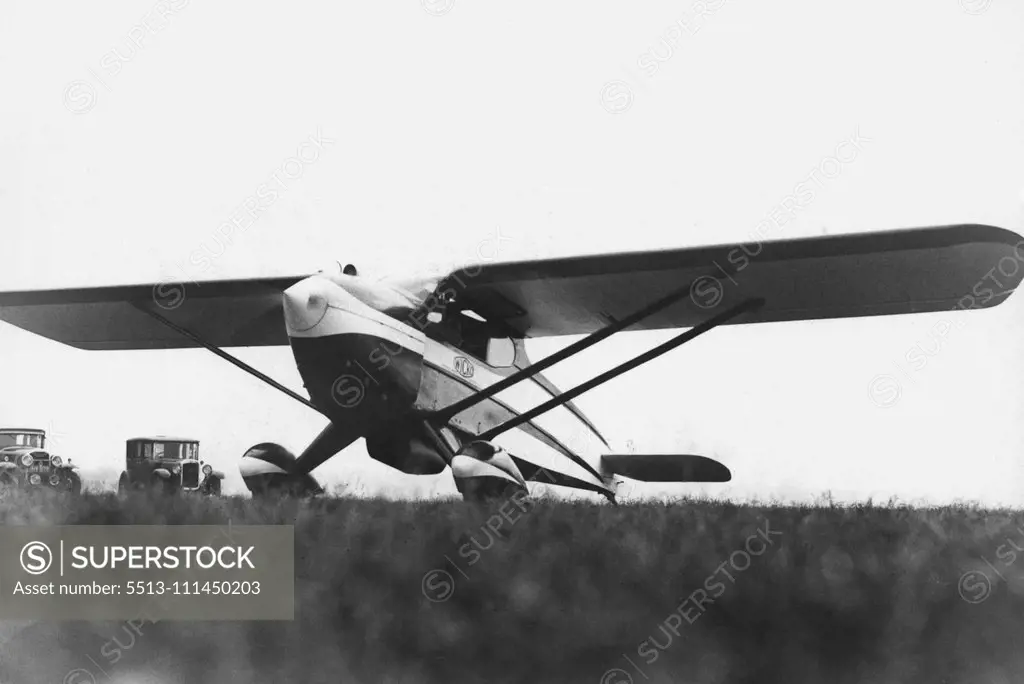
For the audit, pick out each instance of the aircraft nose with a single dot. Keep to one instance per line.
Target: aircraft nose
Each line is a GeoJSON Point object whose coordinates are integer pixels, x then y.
{"type": "Point", "coordinates": [305, 304]}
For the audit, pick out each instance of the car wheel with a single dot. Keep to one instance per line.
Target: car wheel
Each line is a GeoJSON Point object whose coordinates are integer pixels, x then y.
{"type": "Point", "coordinates": [7, 485]}
{"type": "Point", "coordinates": [76, 484]}
{"type": "Point", "coordinates": [162, 486]}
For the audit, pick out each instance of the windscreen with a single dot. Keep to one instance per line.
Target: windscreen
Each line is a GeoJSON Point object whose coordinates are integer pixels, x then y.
{"type": "Point", "coordinates": [175, 451]}
{"type": "Point", "coordinates": [21, 439]}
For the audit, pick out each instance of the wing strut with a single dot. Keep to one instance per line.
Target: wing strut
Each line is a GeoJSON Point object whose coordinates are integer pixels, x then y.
{"type": "Point", "coordinates": [442, 415]}
{"type": "Point", "coordinates": [230, 359]}
{"type": "Point", "coordinates": [715, 321]}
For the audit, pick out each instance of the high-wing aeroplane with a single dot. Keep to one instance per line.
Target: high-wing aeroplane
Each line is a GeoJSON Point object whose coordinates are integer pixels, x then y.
{"type": "Point", "coordinates": [434, 372]}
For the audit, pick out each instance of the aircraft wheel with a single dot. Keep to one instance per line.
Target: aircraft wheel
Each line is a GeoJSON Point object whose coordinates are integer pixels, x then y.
{"type": "Point", "coordinates": [261, 468]}
{"type": "Point", "coordinates": [485, 473]}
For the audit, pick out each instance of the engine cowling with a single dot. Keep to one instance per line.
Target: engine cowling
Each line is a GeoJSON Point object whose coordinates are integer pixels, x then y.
{"type": "Point", "coordinates": [266, 470]}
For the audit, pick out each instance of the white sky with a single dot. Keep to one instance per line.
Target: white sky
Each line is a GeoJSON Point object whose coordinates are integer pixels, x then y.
{"type": "Point", "coordinates": [452, 121]}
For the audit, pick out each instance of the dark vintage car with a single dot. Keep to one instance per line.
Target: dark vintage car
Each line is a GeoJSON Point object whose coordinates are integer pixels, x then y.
{"type": "Point", "coordinates": [169, 464]}
{"type": "Point", "coordinates": [25, 462]}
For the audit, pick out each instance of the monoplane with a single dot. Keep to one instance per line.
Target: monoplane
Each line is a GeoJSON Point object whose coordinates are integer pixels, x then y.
{"type": "Point", "coordinates": [433, 372]}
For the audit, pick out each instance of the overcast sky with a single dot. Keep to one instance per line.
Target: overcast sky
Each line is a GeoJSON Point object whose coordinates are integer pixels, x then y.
{"type": "Point", "coordinates": [132, 131]}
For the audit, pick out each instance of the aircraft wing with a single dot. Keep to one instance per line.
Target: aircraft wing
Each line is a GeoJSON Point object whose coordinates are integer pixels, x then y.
{"type": "Point", "coordinates": [868, 274]}
{"type": "Point", "coordinates": [226, 313]}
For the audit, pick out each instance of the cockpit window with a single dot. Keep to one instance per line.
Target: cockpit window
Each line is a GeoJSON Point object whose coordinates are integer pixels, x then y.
{"type": "Point", "coordinates": [474, 335]}
{"type": "Point", "coordinates": [470, 333]}
{"type": "Point", "coordinates": [465, 329]}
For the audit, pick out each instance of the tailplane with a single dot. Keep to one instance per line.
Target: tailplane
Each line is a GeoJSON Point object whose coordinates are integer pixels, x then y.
{"type": "Point", "coordinates": [667, 467]}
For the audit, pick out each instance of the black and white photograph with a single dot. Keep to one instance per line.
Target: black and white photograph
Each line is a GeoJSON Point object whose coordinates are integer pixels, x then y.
{"type": "Point", "coordinates": [446, 341]}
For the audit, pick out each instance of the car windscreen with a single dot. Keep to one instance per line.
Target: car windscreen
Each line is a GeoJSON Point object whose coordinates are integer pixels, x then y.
{"type": "Point", "coordinates": [21, 439]}
{"type": "Point", "coordinates": [174, 451]}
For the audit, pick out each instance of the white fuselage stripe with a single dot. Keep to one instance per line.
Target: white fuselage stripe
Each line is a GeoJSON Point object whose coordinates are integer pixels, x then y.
{"type": "Point", "coordinates": [559, 422]}
{"type": "Point", "coordinates": [534, 450]}
{"type": "Point", "coordinates": [548, 438]}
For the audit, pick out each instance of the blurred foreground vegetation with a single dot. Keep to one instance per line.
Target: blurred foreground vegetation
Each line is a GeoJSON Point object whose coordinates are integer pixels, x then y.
{"type": "Point", "coordinates": [555, 592]}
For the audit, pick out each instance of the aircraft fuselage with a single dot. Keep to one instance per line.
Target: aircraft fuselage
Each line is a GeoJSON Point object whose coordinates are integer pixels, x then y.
{"type": "Point", "coordinates": [375, 365]}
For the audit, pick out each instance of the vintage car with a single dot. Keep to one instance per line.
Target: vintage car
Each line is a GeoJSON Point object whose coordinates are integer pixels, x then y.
{"type": "Point", "coordinates": [168, 464]}
{"type": "Point", "coordinates": [25, 462]}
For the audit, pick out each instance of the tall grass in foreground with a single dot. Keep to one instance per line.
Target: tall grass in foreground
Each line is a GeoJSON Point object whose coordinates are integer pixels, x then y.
{"type": "Point", "coordinates": [690, 592]}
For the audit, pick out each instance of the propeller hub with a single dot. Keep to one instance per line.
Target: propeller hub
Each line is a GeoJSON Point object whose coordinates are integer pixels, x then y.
{"type": "Point", "coordinates": [305, 303]}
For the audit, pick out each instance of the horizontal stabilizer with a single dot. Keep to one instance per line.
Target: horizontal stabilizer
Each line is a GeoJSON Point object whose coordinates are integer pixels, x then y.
{"type": "Point", "coordinates": [667, 467]}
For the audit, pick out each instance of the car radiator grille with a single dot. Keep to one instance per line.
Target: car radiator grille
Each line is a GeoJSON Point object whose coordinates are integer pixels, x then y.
{"type": "Point", "coordinates": [190, 475]}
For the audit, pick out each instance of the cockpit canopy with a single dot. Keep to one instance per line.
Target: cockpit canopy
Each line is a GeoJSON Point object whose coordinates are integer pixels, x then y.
{"type": "Point", "coordinates": [439, 317]}
{"type": "Point", "coordinates": [420, 303]}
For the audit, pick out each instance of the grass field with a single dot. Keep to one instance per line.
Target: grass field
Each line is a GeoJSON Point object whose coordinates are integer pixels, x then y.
{"type": "Point", "coordinates": [555, 592]}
